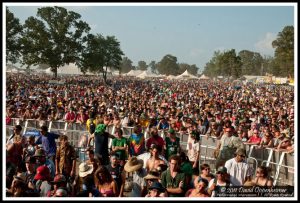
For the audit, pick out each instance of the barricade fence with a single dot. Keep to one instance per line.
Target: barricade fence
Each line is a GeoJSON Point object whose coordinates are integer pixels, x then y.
{"type": "Point", "coordinates": [280, 163]}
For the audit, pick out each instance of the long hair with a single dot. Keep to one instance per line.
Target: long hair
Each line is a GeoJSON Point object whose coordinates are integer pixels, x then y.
{"type": "Point", "coordinates": [105, 178]}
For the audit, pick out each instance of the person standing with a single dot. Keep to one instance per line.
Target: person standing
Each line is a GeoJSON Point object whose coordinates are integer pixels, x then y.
{"type": "Point", "coordinates": [172, 179]}
{"type": "Point", "coordinates": [65, 161]}
{"type": "Point", "coordinates": [238, 169]}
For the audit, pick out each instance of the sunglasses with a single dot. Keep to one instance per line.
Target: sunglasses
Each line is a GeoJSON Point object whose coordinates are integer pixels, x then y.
{"type": "Point", "coordinates": [242, 156]}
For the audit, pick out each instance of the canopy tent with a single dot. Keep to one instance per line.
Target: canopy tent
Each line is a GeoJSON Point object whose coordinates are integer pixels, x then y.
{"type": "Point", "coordinates": [204, 77]}
{"type": "Point", "coordinates": [70, 69]}
{"type": "Point", "coordinates": [147, 74]}
{"type": "Point", "coordinates": [133, 73]}
{"type": "Point", "coordinates": [186, 75]}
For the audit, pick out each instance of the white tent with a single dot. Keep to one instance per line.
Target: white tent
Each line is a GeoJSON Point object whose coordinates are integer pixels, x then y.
{"type": "Point", "coordinates": [203, 77]}
{"type": "Point", "coordinates": [186, 75]}
{"type": "Point", "coordinates": [133, 73]}
{"type": "Point", "coordinates": [147, 74]}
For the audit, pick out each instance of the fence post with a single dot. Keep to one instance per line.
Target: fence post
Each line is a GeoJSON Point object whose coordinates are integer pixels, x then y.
{"type": "Point", "coordinates": [278, 168]}
{"type": "Point", "coordinates": [269, 158]}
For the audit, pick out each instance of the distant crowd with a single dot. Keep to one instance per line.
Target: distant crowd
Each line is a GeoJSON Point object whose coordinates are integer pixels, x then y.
{"type": "Point", "coordinates": [236, 115]}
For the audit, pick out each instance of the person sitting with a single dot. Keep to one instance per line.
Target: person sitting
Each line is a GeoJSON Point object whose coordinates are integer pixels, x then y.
{"type": "Point", "coordinates": [199, 190]}
{"type": "Point", "coordinates": [262, 177]}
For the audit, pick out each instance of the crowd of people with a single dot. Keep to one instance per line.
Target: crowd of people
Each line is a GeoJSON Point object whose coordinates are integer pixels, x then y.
{"type": "Point", "coordinates": [236, 115]}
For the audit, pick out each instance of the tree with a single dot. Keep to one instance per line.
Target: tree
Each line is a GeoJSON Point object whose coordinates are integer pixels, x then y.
{"type": "Point", "coordinates": [13, 34]}
{"type": "Point", "coordinates": [126, 65]}
{"type": "Point", "coordinates": [231, 64]}
{"type": "Point", "coordinates": [284, 51]}
{"type": "Point", "coordinates": [168, 65]}
{"type": "Point", "coordinates": [252, 63]}
{"type": "Point", "coordinates": [55, 38]}
{"type": "Point", "coordinates": [212, 68]}
{"type": "Point", "coordinates": [99, 54]}
{"type": "Point", "coordinates": [142, 65]}
{"type": "Point", "coordinates": [153, 67]}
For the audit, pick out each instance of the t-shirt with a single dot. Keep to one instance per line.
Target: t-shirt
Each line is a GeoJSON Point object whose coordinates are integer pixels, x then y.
{"type": "Point", "coordinates": [120, 143]}
{"type": "Point", "coordinates": [172, 147]}
{"type": "Point", "coordinates": [193, 149]}
{"type": "Point", "coordinates": [101, 146]}
{"type": "Point", "coordinates": [168, 181]}
{"type": "Point", "coordinates": [136, 144]}
{"type": "Point", "coordinates": [254, 139]}
{"type": "Point", "coordinates": [187, 168]}
{"type": "Point", "coordinates": [238, 171]}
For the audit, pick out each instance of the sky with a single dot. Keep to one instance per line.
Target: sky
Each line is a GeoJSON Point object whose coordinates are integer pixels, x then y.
{"type": "Point", "coordinates": [192, 32]}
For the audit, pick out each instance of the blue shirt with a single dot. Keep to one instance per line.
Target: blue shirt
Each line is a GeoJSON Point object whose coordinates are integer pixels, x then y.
{"type": "Point", "coordinates": [48, 143]}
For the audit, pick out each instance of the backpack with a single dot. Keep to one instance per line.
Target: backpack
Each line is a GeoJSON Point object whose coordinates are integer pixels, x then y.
{"type": "Point", "coordinates": [92, 126]}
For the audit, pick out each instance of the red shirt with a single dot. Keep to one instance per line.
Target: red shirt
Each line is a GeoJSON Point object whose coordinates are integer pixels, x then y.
{"type": "Point", "coordinates": [254, 139]}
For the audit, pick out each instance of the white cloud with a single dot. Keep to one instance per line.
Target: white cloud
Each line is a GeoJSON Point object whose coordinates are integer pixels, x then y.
{"type": "Point", "coordinates": [264, 46]}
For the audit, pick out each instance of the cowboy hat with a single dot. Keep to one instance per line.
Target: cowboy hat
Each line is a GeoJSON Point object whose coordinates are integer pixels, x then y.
{"type": "Point", "coordinates": [133, 164]}
{"type": "Point", "coordinates": [152, 175]}
{"type": "Point", "coordinates": [20, 177]}
{"type": "Point", "coordinates": [85, 169]}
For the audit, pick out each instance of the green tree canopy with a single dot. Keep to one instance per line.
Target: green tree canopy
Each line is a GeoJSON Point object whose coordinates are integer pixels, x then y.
{"type": "Point", "coordinates": [13, 34]}
{"type": "Point", "coordinates": [126, 65]}
{"type": "Point", "coordinates": [168, 65]}
{"type": "Point", "coordinates": [142, 65]}
{"type": "Point", "coordinates": [252, 63]}
{"type": "Point", "coordinates": [284, 51]}
{"type": "Point", "coordinates": [54, 38]}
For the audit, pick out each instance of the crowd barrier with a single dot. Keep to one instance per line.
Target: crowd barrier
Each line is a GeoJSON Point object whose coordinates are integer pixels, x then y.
{"type": "Point", "coordinates": [281, 164]}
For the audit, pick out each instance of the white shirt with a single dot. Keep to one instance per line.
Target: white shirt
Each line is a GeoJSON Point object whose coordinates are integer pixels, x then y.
{"type": "Point", "coordinates": [238, 171]}
{"type": "Point", "coordinates": [192, 148]}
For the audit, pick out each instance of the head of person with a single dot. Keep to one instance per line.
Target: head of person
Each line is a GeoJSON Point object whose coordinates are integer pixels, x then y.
{"type": "Point", "coordinates": [172, 132]}
{"type": "Point", "coordinates": [133, 164]}
{"type": "Point", "coordinates": [205, 169]}
{"type": "Point", "coordinates": [286, 142]}
{"type": "Point", "coordinates": [31, 139]}
{"type": "Point", "coordinates": [59, 181]}
{"type": "Point", "coordinates": [221, 173]}
{"type": "Point", "coordinates": [60, 192]}
{"type": "Point", "coordinates": [137, 129]}
{"type": "Point", "coordinates": [174, 163]}
{"type": "Point", "coordinates": [30, 162]}
{"type": "Point", "coordinates": [156, 189]}
{"type": "Point", "coordinates": [63, 140]}
{"type": "Point", "coordinates": [102, 176]}
{"type": "Point", "coordinates": [18, 129]}
{"type": "Point", "coordinates": [42, 173]}
{"type": "Point", "coordinates": [44, 130]}
{"type": "Point", "coordinates": [201, 184]}
{"type": "Point", "coordinates": [90, 153]}
{"type": "Point", "coordinates": [119, 132]}
{"type": "Point", "coordinates": [40, 156]}
{"type": "Point", "coordinates": [114, 159]}
{"type": "Point", "coordinates": [262, 171]}
{"type": "Point", "coordinates": [228, 131]}
{"type": "Point", "coordinates": [255, 133]}
{"type": "Point", "coordinates": [154, 150]}
{"type": "Point", "coordinates": [240, 155]}
{"type": "Point", "coordinates": [154, 132]}
{"type": "Point", "coordinates": [152, 177]}
{"type": "Point", "coordinates": [85, 170]}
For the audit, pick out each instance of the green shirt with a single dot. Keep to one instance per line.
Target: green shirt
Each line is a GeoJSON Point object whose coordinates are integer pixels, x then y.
{"type": "Point", "coordinates": [187, 168]}
{"type": "Point", "coordinates": [120, 143]}
{"type": "Point", "coordinates": [168, 181]}
{"type": "Point", "coordinates": [172, 147]}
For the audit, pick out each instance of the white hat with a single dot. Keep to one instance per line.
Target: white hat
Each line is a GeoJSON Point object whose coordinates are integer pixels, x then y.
{"type": "Point", "coordinates": [85, 169]}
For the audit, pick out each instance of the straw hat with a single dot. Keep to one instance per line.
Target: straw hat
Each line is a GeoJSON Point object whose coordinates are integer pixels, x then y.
{"type": "Point", "coordinates": [133, 164]}
{"type": "Point", "coordinates": [20, 177]}
{"type": "Point", "coordinates": [85, 169]}
{"type": "Point", "coordinates": [152, 175]}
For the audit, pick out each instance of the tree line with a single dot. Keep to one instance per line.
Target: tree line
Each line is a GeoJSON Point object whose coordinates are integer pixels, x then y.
{"type": "Point", "coordinates": [56, 37]}
{"type": "Point", "coordinates": [229, 63]}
